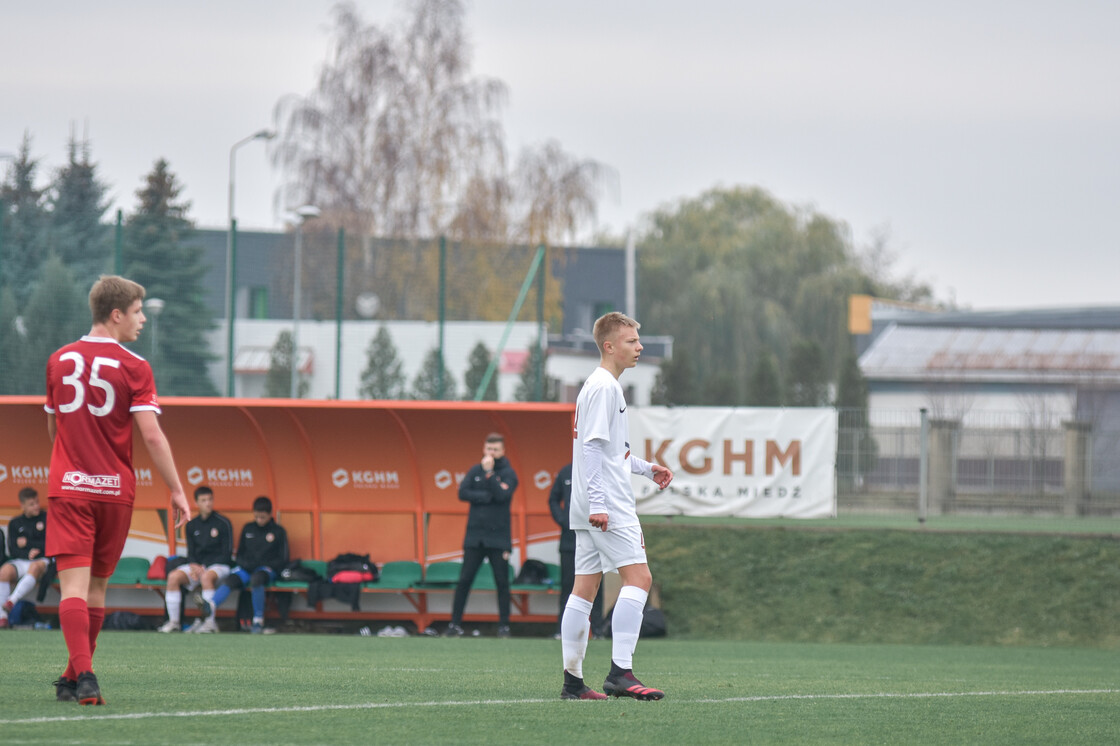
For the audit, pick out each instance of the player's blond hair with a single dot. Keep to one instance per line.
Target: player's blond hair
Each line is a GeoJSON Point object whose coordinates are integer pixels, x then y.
{"type": "Point", "coordinates": [609, 323]}
{"type": "Point", "coordinates": [112, 292]}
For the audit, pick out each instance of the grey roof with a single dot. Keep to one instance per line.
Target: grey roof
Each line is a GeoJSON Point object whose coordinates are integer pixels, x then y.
{"type": "Point", "coordinates": [1009, 355]}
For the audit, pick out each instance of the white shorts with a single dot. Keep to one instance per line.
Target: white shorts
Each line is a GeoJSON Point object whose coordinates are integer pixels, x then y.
{"type": "Point", "coordinates": [23, 565]}
{"type": "Point", "coordinates": [222, 571]}
{"type": "Point", "coordinates": [606, 551]}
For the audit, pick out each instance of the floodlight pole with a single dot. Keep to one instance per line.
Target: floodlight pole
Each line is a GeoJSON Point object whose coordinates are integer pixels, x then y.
{"type": "Point", "coordinates": [259, 135]}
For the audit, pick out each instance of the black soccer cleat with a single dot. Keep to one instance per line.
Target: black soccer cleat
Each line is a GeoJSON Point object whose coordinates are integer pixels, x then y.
{"type": "Point", "coordinates": [66, 690]}
{"type": "Point", "coordinates": [453, 630]}
{"type": "Point", "coordinates": [625, 684]}
{"type": "Point", "coordinates": [585, 692]}
{"type": "Point", "coordinates": [88, 692]}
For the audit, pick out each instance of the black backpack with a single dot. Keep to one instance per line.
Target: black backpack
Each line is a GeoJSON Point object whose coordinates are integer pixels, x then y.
{"type": "Point", "coordinates": [533, 572]}
{"type": "Point", "coordinates": [351, 561]}
{"type": "Point", "coordinates": [297, 571]}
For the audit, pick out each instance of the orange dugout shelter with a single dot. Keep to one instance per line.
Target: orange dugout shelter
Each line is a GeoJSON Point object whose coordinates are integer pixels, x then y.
{"type": "Point", "coordinates": [376, 477]}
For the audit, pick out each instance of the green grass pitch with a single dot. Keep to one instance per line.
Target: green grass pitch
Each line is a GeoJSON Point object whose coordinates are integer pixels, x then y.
{"type": "Point", "coordinates": [334, 689]}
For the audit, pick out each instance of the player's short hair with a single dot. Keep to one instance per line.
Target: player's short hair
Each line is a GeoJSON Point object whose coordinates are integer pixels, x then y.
{"type": "Point", "coordinates": [609, 323]}
{"type": "Point", "coordinates": [262, 505]}
{"type": "Point", "coordinates": [112, 292]}
{"type": "Point", "coordinates": [496, 438]}
{"type": "Point", "coordinates": [202, 489]}
{"type": "Point", "coordinates": [28, 493]}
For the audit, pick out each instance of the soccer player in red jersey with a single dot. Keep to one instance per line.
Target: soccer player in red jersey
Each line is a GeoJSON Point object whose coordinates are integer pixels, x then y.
{"type": "Point", "coordinates": [96, 389]}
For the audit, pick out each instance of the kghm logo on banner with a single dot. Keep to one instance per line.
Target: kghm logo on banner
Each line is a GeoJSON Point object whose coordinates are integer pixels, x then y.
{"type": "Point", "coordinates": [221, 477]}
{"type": "Point", "coordinates": [365, 479]}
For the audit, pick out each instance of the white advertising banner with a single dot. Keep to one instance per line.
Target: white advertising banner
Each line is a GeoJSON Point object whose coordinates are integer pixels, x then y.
{"type": "Point", "coordinates": [747, 462]}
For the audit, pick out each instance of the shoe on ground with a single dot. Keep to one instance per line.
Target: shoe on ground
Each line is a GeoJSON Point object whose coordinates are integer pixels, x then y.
{"type": "Point", "coordinates": [88, 692]}
{"type": "Point", "coordinates": [257, 629]}
{"type": "Point", "coordinates": [208, 627]}
{"type": "Point", "coordinates": [169, 626]}
{"type": "Point", "coordinates": [453, 630]}
{"type": "Point", "coordinates": [193, 629]}
{"type": "Point", "coordinates": [627, 685]}
{"type": "Point", "coordinates": [503, 630]}
{"type": "Point", "coordinates": [585, 693]}
{"type": "Point", "coordinates": [243, 624]}
{"type": "Point", "coordinates": [66, 690]}
{"type": "Point", "coordinates": [3, 622]}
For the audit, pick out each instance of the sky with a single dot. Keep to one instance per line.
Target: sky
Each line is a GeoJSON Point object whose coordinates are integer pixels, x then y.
{"type": "Point", "coordinates": [981, 138]}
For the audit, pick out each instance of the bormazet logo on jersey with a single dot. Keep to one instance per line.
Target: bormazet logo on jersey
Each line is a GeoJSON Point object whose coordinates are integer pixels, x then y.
{"type": "Point", "coordinates": [365, 479]}
{"type": "Point", "coordinates": [220, 476]}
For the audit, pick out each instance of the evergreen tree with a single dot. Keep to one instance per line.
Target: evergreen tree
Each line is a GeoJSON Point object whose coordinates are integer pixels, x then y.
{"type": "Point", "coordinates": [57, 313]}
{"type": "Point", "coordinates": [808, 382]}
{"type": "Point", "coordinates": [157, 255]}
{"type": "Point", "coordinates": [426, 384]}
{"type": "Point", "coordinates": [478, 362]}
{"type": "Point", "coordinates": [77, 203]}
{"type": "Point", "coordinates": [383, 377]}
{"type": "Point", "coordinates": [856, 449]}
{"type": "Point", "coordinates": [24, 224]}
{"type": "Point", "coordinates": [764, 386]}
{"type": "Point", "coordinates": [278, 380]}
{"type": "Point", "coordinates": [12, 345]}
{"type": "Point", "coordinates": [674, 383]}
{"type": "Point", "coordinates": [536, 365]}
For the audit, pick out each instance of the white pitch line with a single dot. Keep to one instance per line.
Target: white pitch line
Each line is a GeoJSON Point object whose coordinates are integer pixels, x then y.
{"type": "Point", "coordinates": [478, 702]}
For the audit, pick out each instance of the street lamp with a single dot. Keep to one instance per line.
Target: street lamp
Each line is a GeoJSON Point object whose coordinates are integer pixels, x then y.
{"type": "Point", "coordinates": [303, 214]}
{"type": "Point", "coordinates": [154, 307]}
{"type": "Point", "coordinates": [260, 135]}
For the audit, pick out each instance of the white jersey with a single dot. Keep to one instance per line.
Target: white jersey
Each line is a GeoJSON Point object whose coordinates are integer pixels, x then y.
{"type": "Point", "coordinates": [601, 415]}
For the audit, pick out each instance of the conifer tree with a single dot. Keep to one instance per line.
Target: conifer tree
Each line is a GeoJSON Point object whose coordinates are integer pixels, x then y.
{"type": "Point", "coordinates": [157, 255]}
{"type": "Point", "coordinates": [278, 380]}
{"type": "Point", "coordinates": [57, 313]}
{"type": "Point", "coordinates": [535, 365]}
{"type": "Point", "coordinates": [12, 344]}
{"type": "Point", "coordinates": [478, 362]}
{"type": "Point", "coordinates": [426, 384]}
{"type": "Point", "coordinates": [77, 204]}
{"type": "Point", "coordinates": [383, 377]}
{"type": "Point", "coordinates": [25, 219]}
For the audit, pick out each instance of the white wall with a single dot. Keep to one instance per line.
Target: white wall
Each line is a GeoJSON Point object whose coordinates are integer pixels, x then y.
{"type": "Point", "coordinates": [413, 340]}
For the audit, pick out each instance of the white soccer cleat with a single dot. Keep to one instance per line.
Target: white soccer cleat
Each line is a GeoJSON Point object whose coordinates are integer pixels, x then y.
{"type": "Point", "coordinates": [210, 626]}
{"type": "Point", "coordinates": [195, 626]}
{"type": "Point", "coordinates": [169, 626]}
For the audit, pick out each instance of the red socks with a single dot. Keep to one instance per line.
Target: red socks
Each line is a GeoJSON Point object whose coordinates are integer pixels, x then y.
{"type": "Point", "coordinates": [96, 619]}
{"type": "Point", "coordinates": [74, 618]}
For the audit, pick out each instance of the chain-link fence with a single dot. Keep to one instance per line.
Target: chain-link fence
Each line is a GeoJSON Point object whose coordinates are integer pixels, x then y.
{"type": "Point", "coordinates": [985, 462]}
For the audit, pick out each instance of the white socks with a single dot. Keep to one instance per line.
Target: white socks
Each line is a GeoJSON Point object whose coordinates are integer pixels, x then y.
{"type": "Point", "coordinates": [174, 601]}
{"type": "Point", "coordinates": [574, 628]}
{"type": "Point", "coordinates": [5, 590]}
{"type": "Point", "coordinates": [626, 624]}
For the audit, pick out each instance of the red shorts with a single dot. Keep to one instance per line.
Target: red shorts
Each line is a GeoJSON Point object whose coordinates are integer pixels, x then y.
{"type": "Point", "coordinates": [87, 533]}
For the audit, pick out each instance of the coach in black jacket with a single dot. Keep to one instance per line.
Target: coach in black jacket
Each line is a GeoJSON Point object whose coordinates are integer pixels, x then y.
{"type": "Point", "coordinates": [488, 487]}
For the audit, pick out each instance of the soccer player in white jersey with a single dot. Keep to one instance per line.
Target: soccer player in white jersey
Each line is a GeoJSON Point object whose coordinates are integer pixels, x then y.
{"type": "Point", "coordinates": [605, 517]}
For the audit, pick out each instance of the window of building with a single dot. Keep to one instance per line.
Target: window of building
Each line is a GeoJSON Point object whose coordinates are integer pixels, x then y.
{"type": "Point", "coordinates": [258, 303]}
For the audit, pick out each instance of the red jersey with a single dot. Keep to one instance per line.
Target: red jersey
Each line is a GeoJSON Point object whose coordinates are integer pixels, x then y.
{"type": "Point", "coordinates": [93, 387]}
